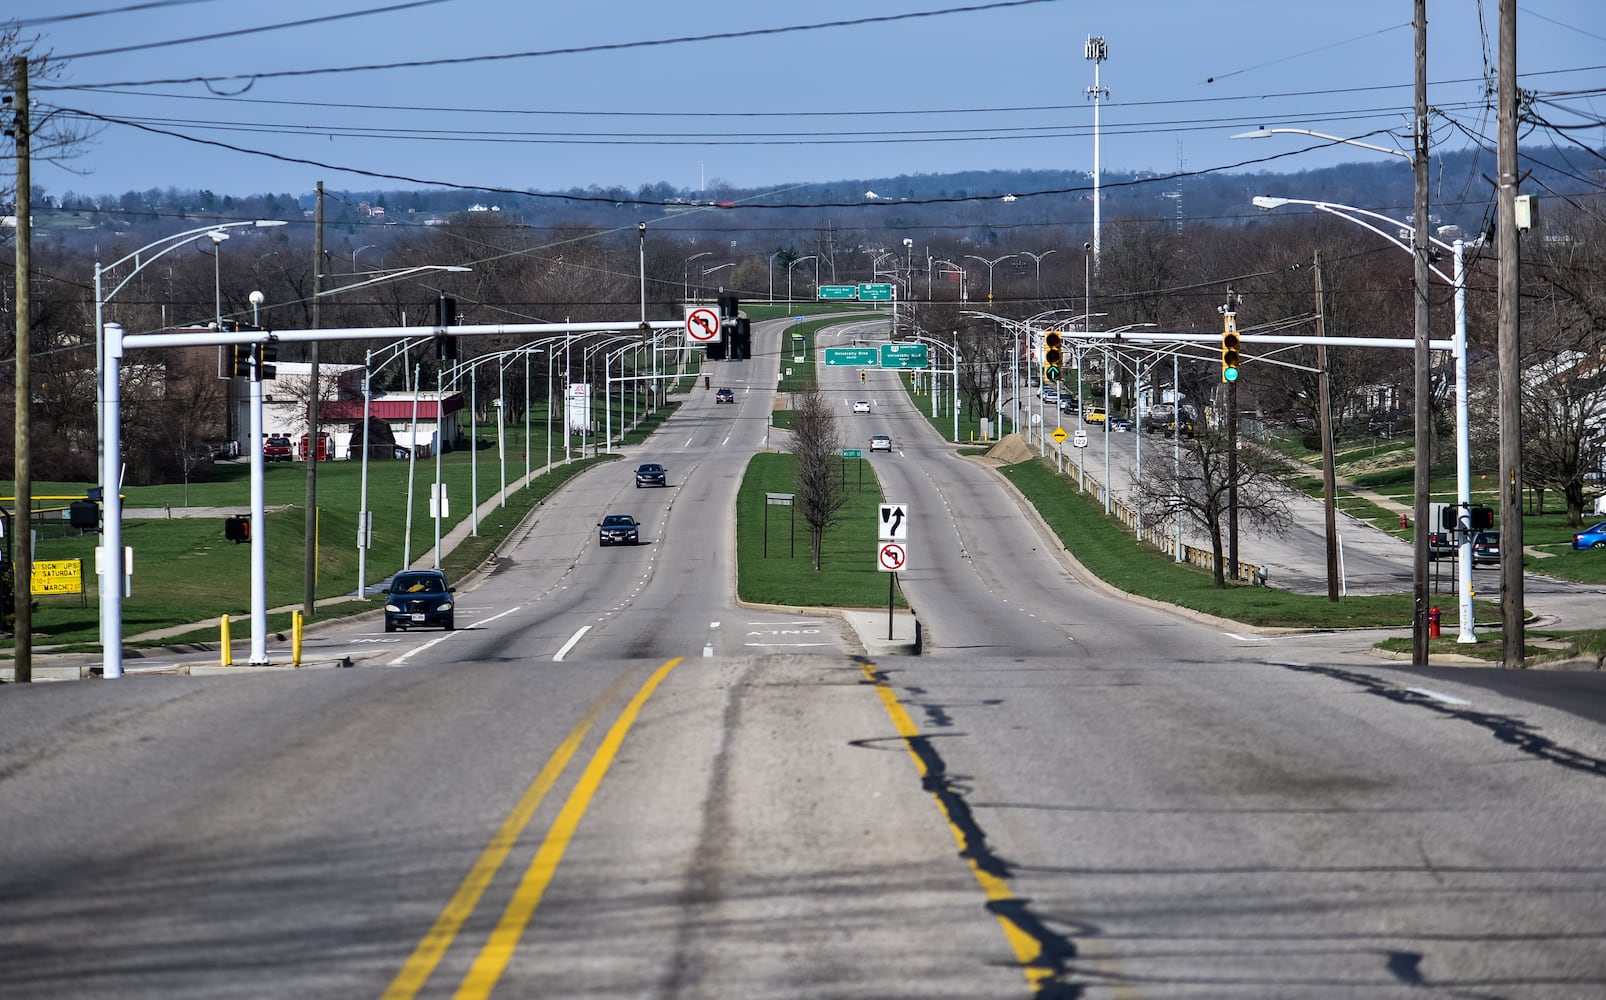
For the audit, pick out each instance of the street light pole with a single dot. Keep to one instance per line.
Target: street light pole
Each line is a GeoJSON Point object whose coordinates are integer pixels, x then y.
{"type": "Point", "coordinates": [793, 264]}
{"type": "Point", "coordinates": [1388, 228]}
{"type": "Point", "coordinates": [685, 277]}
{"type": "Point", "coordinates": [990, 264]}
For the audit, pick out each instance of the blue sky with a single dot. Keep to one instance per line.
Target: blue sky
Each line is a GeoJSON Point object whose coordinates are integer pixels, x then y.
{"type": "Point", "coordinates": [979, 89]}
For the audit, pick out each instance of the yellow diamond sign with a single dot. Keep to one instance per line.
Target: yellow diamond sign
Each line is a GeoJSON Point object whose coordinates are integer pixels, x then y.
{"type": "Point", "coordinates": [1059, 435]}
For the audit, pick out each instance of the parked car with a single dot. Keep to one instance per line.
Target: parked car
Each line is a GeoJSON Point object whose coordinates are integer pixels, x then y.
{"type": "Point", "coordinates": [419, 598]}
{"type": "Point", "coordinates": [1591, 538]}
{"type": "Point", "coordinates": [880, 442]}
{"type": "Point", "coordinates": [861, 406]}
{"type": "Point", "coordinates": [277, 449]}
{"type": "Point", "coordinates": [618, 529]}
{"type": "Point", "coordinates": [651, 474]}
{"type": "Point", "coordinates": [724, 395]}
{"type": "Point", "coordinates": [1486, 548]}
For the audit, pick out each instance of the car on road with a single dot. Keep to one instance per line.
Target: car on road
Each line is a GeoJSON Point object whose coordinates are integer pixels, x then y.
{"type": "Point", "coordinates": [724, 395]}
{"type": "Point", "coordinates": [277, 449]}
{"type": "Point", "coordinates": [1120, 424]}
{"type": "Point", "coordinates": [651, 474]}
{"type": "Point", "coordinates": [1070, 405]}
{"type": "Point", "coordinates": [618, 529]}
{"type": "Point", "coordinates": [1093, 414]}
{"type": "Point", "coordinates": [880, 442]}
{"type": "Point", "coordinates": [420, 598]}
{"type": "Point", "coordinates": [1486, 548]}
{"type": "Point", "coordinates": [1051, 395]}
{"type": "Point", "coordinates": [861, 406]}
{"type": "Point", "coordinates": [1591, 538]}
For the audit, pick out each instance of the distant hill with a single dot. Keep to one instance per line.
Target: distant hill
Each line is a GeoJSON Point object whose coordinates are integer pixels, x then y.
{"type": "Point", "coordinates": [975, 205]}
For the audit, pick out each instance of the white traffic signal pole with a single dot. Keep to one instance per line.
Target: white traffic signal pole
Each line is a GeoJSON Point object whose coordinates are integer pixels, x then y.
{"type": "Point", "coordinates": [259, 543]}
{"type": "Point", "coordinates": [111, 536]}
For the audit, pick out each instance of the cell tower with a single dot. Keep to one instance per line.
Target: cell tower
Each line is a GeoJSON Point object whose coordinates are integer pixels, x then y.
{"type": "Point", "coordinates": [1096, 51]}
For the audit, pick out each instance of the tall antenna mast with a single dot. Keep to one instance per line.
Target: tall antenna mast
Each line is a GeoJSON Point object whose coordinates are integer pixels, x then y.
{"type": "Point", "coordinates": [1096, 51]}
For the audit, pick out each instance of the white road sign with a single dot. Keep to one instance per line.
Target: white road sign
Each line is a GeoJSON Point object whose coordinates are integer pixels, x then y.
{"type": "Point", "coordinates": [702, 325]}
{"type": "Point", "coordinates": [891, 556]}
{"type": "Point", "coordinates": [893, 523]}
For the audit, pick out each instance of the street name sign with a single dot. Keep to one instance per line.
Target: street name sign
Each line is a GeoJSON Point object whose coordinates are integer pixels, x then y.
{"type": "Point", "coordinates": [879, 292]}
{"type": "Point", "coordinates": [854, 357]}
{"type": "Point", "coordinates": [903, 356]}
{"type": "Point", "coordinates": [837, 292]}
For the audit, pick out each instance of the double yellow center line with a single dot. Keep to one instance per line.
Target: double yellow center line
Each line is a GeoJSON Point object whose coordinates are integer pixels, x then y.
{"type": "Point", "coordinates": [497, 951]}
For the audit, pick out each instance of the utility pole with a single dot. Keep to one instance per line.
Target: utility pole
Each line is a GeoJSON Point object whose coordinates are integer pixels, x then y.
{"type": "Point", "coordinates": [1229, 313]}
{"type": "Point", "coordinates": [1510, 330]}
{"type": "Point", "coordinates": [1325, 428]}
{"type": "Point", "coordinates": [309, 598]}
{"type": "Point", "coordinates": [22, 566]}
{"type": "Point", "coordinates": [1423, 419]}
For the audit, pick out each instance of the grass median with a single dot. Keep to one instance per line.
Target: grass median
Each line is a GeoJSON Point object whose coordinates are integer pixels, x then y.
{"type": "Point", "coordinates": [773, 560]}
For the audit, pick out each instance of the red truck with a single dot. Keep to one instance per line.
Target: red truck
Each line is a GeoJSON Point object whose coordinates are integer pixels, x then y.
{"type": "Point", "coordinates": [277, 449]}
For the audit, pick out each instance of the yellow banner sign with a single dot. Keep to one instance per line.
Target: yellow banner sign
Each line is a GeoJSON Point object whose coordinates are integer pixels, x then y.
{"type": "Point", "coordinates": [58, 576]}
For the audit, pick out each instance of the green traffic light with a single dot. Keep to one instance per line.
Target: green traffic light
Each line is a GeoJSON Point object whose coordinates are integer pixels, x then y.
{"type": "Point", "coordinates": [1229, 374]}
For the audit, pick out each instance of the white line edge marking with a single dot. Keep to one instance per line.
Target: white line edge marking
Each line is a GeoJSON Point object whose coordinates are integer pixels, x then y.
{"type": "Point", "coordinates": [1439, 696]}
{"type": "Point", "coordinates": [573, 639]}
{"type": "Point", "coordinates": [1247, 638]}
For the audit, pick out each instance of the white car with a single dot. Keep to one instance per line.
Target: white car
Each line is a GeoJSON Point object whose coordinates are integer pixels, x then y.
{"type": "Point", "coordinates": [880, 442]}
{"type": "Point", "coordinates": [861, 406]}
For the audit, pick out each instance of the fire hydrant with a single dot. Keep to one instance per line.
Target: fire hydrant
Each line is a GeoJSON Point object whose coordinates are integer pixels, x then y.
{"type": "Point", "coordinates": [1433, 623]}
{"type": "Point", "coordinates": [1405, 521]}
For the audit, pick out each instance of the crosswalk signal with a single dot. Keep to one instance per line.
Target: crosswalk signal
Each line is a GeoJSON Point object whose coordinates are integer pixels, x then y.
{"type": "Point", "coordinates": [1230, 343]}
{"type": "Point", "coordinates": [237, 528]}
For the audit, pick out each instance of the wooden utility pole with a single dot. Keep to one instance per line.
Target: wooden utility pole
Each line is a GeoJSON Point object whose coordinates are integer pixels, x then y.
{"type": "Point", "coordinates": [1506, 250]}
{"type": "Point", "coordinates": [309, 597]}
{"type": "Point", "coordinates": [1423, 412]}
{"type": "Point", "coordinates": [1325, 428]}
{"type": "Point", "coordinates": [22, 524]}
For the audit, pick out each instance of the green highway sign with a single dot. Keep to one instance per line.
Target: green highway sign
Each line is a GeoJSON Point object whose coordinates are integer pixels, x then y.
{"type": "Point", "coordinates": [834, 292]}
{"type": "Point", "coordinates": [852, 453]}
{"type": "Point", "coordinates": [903, 356]}
{"type": "Point", "coordinates": [855, 357]}
{"type": "Point", "coordinates": [875, 293]}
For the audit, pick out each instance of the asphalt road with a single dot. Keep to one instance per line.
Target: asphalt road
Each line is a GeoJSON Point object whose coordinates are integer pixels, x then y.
{"type": "Point", "coordinates": [614, 782]}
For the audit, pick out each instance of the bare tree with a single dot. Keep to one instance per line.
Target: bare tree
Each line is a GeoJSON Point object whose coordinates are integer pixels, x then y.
{"type": "Point", "coordinates": [1195, 486]}
{"type": "Point", "coordinates": [815, 442]}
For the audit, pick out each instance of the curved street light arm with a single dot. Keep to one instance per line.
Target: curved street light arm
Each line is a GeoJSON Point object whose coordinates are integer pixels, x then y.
{"type": "Point", "coordinates": [1359, 216]}
{"type": "Point", "coordinates": [1264, 133]}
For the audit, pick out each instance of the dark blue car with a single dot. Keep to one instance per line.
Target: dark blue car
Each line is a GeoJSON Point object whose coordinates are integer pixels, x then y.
{"type": "Point", "coordinates": [419, 598]}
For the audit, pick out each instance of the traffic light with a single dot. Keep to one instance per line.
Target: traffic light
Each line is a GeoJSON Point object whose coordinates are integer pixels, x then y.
{"type": "Point", "coordinates": [445, 316]}
{"type": "Point", "coordinates": [241, 355]}
{"type": "Point", "coordinates": [265, 355]}
{"type": "Point", "coordinates": [237, 528]}
{"type": "Point", "coordinates": [1053, 357]}
{"type": "Point", "coordinates": [864, 377]}
{"type": "Point", "coordinates": [728, 308]}
{"type": "Point", "coordinates": [1230, 356]}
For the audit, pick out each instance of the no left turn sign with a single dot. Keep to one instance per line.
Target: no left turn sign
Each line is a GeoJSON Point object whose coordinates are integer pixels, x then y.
{"type": "Point", "coordinates": [702, 326]}
{"type": "Point", "coordinates": [891, 556]}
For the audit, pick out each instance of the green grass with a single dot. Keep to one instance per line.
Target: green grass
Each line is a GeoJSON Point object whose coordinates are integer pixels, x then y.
{"type": "Point", "coordinates": [1107, 550]}
{"type": "Point", "coordinates": [848, 576]}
